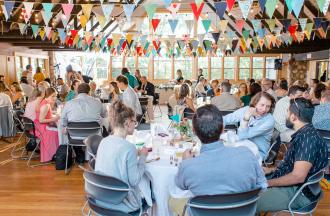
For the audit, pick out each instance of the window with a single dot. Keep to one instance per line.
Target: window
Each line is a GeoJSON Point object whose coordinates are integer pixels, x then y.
{"type": "Point", "coordinates": [102, 67]}
{"type": "Point", "coordinates": [18, 67]}
{"type": "Point", "coordinates": [216, 67]}
{"type": "Point", "coordinates": [271, 73]}
{"type": "Point", "coordinates": [244, 68]}
{"type": "Point", "coordinates": [229, 67]}
{"type": "Point", "coordinates": [258, 68]}
{"type": "Point", "coordinates": [143, 65]}
{"type": "Point", "coordinates": [203, 63]}
{"type": "Point", "coordinates": [117, 64]}
{"type": "Point", "coordinates": [25, 62]}
{"type": "Point", "coordinates": [185, 64]}
{"type": "Point", "coordinates": [130, 64]}
{"type": "Point", "coordinates": [34, 63]}
{"type": "Point", "coordinates": [162, 68]}
{"type": "Point", "coordinates": [41, 63]}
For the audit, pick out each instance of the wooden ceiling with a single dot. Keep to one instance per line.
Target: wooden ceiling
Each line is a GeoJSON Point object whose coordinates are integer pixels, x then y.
{"type": "Point", "coordinates": [11, 34]}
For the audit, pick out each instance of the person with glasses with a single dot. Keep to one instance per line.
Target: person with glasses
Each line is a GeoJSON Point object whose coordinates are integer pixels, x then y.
{"type": "Point", "coordinates": [281, 108]}
{"type": "Point", "coordinates": [119, 158]}
{"type": "Point", "coordinates": [266, 86]}
{"type": "Point", "coordinates": [306, 156]}
{"type": "Point", "coordinates": [256, 121]}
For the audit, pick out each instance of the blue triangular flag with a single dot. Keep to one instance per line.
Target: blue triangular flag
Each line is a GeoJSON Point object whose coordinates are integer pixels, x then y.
{"type": "Point", "coordinates": [296, 6]}
{"type": "Point", "coordinates": [262, 4]}
{"type": "Point", "coordinates": [35, 30]}
{"type": "Point", "coordinates": [261, 33]}
{"type": "Point", "coordinates": [195, 44]}
{"type": "Point", "coordinates": [62, 34]}
{"type": "Point", "coordinates": [173, 23]}
{"type": "Point", "coordinates": [220, 8]}
{"type": "Point", "coordinates": [286, 23]}
{"type": "Point", "coordinates": [216, 36]}
{"type": "Point", "coordinates": [9, 6]}
{"type": "Point", "coordinates": [176, 118]}
{"type": "Point", "coordinates": [325, 25]}
{"type": "Point", "coordinates": [317, 22]}
{"type": "Point", "coordinates": [167, 3]}
{"type": "Point", "coordinates": [256, 24]}
{"type": "Point", "coordinates": [128, 9]}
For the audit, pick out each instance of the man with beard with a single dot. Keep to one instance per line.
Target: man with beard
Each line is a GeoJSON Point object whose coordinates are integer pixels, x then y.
{"type": "Point", "coordinates": [306, 156]}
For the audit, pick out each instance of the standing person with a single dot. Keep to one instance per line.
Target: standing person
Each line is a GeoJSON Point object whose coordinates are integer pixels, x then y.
{"type": "Point", "coordinates": [313, 83]}
{"type": "Point", "coordinates": [39, 76]}
{"type": "Point", "coordinates": [119, 158]}
{"type": "Point", "coordinates": [28, 74]}
{"type": "Point", "coordinates": [73, 91]}
{"type": "Point", "coordinates": [44, 117]}
{"type": "Point", "coordinates": [266, 86]}
{"type": "Point", "coordinates": [242, 91]}
{"type": "Point", "coordinates": [63, 88]}
{"type": "Point", "coordinates": [217, 169]}
{"type": "Point", "coordinates": [138, 76]}
{"type": "Point", "coordinates": [132, 81]}
{"type": "Point", "coordinates": [307, 155]}
{"type": "Point", "coordinates": [256, 121]}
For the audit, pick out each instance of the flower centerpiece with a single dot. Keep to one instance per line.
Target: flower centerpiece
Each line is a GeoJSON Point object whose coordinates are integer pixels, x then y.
{"type": "Point", "coordinates": [184, 128]}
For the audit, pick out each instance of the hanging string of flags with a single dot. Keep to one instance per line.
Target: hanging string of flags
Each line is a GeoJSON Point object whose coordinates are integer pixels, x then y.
{"type": "Point", "coordinates": [266, 33]}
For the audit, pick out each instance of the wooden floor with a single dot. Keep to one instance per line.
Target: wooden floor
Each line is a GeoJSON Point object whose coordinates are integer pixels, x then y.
{"type": "Point", "coordinates": [45, 191]}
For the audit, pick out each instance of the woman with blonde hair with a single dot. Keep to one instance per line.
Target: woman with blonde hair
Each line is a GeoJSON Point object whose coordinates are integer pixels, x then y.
{"type": "Point", "coordinates": [242, 91]}
{"type": "Point", "coordinates": [114, 92]}
{"type": "Point", "coordinates": [17, 95]}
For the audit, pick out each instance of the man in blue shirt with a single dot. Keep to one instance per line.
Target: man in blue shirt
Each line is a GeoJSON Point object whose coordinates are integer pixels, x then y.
{"type": "Point", "coordinates": [321, 118]}
{"type": "Point", "coordinates": [306, 156]}
{"type": "Point", "coordinates": [218, 169]}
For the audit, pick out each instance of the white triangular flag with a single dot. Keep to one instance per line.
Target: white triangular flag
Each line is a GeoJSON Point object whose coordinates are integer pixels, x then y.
{"type": "Point", "coordinates": [28, 10]}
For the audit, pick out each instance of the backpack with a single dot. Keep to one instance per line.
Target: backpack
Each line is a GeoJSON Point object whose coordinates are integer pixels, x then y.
{"type": "Point", "coordinates": [61, 156]}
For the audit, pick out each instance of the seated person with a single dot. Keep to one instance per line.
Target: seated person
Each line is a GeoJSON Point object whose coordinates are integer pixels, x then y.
{"type": "Point", "coordinates": [214, 90]}
{"type": "Point", "coordinates": [17, 96]}
{"type": "Point", "coordinates": [242, 91]}
{"type": "Point", "coordinates": [226, 101]}
{"type": "Point", "coordinates": [146, 87]}
{"type": "Point", "coordinates": [114, 92]}
{"type": "Point", "coordinates": [27, 89]}
{"type": "Point", "coordinates": [200, 87]}
{"type": "Point", "coordinates": [185, 101]}
{"type": "Point", "coordinates": [267, 86]}
{"type": "Point", "coordinates": [119, 158]}
{"type": "Point", "coordinates": [4, 98]}
{"type": "Point", "coordinates": [321, 118]}
{"type": "Point", "coordinates": [84, 108]}
{"type": "Point", "coordinates": [218, 169]}
{"type": "Point", "coordinates": [44, 117]}
{"type": "Point", "coordinates": [281, 108]}
{"type": "Point", "coordinates": [129, 96]}
{"type": "Point", "coordinates": [254, 89]}
{"type": "Point", "coordinates": [256, 121]}
{"type": "Point", "coordinates": [73, 91]}
{"type": "Point", "coordinates": [307, 154]}
{"type": "Point", "coordinates": [93, 87]}
{"type": "Point", "coordinates": [62, 88]}
{"type": "Point", "coordinates": [320, 87]}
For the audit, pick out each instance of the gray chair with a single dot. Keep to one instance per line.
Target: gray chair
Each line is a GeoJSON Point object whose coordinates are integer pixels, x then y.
{"type": "Point", "coordinates": [272, 152]}
{"type": "Point", "coordinates": [77, 132]}
{"type": "Point", "coordinates": [144, 107]}
{"type": "Point", "coordinates": [105, 189]}
{"type": "Point", "coordinates": [7, 124]}
{"type": "Point", "coordinates": [92, 143]}
{"type": "Point", "coordinates": [238, 204]}
{"type": "Point", "coordinates": [313, 183]}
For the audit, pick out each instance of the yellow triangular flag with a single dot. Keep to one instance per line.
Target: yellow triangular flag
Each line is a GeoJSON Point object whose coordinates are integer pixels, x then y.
{"type": "Point", "coordinates": [129, 38]}
{"type": "Point", "coordinates": [42, 33]}
{"type": "Point", "coordinates": [76, 39]}
{"type": "Point", "coordinates": [54, 37]}
{"type": "Point", "coordinates": [102, 20]}
{"type": "Point", "coordinates": [83, 21]}
{"type": "Point", "coordinates": [87, 9]}
{"type": "Point", "coordinates": [116, 37]}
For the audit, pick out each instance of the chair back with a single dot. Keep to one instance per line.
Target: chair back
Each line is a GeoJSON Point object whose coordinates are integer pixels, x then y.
{"type": "Point", "coordinates": [230, 126]}
{"type": "Point", "coordinates": [104, 188]}
{"type": "Point", "coordinates": [326, 136]}
{"type": "Point", "coordinates": [29, 127]}
{"type": "Point", "coordinates": [103, 211]}
{"type": "Point", "coordinates": [7, 124]}
{"type": "Point", "coordinates": [78, 131]}
{"type": "Point", "coordinates": [239, 204]}
{"type": "Point", "coordinates": [143, 101]}
{"type": "Point", "coordinates": [313, 182]}
{"type": "Point", "coordinates": [92, 143]}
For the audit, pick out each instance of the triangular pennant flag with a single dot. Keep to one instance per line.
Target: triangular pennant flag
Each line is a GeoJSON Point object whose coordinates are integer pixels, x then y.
{"type": "Point", "coordinates": [325, 25]}
{"type": "Point", "coordinates": [28, 10]}
{"type": "Point", "coordinates": [83, 21]}
{"type": "Point", "coordinates": [22, 27]}
{"type": "Point", "coordinates": [286, 23]}
{"type": "Point", "coordinates": [143, 39]}
{"type": "Point", "coordinates": [128, 9]}
{"type": "Point", "coordinates": [207, 45]}
{"type": "Point", "coordinates": [88, 38]}
{"type": "Point", "coordinates": [206, 24]}
{"type": "Point", "coordinates": [47, 12]}
{"type": "Point", "coordinates": [107, 10]}
{"type": "Point", "coordinates": [234, 44]}
{"type": "Point", "coordinates": [174, 8]}
{"type": "Point", "coordinates": [9, 5]}
{"type": "Point", "coordinates": [154, 23]}
{"type": "Point", "coordinates": [197, 11]}
{"type": "Point", "coordinates": [223, 25]}
{"type": "Point", "coordinates": [220, 8]}
{"type": "Point", "coordinates": [245, 6]}
{"type": "Point", "coordinates": [289, 5]}
{"type": "Point", "coordinates": [325, 7]}
{"type": "Point", "coordinates": [292, 30]}
{"type": "Point", "coordinates": [200, 38]}
{"type": "Point", "coordinates": [270, 7]}
{"type": "Point", "coordinates": [190, 25]}
{"type": "Point", "coordinates": [271, 24]}
{"type": "Point", "coordinates": [230, 4]}
{"type": "Point", "coordinates": [167, 3]}
{"type": "Point", "coordinates": [87, 9]}
{"type": "Point", "coordinates": [109, 42]}
{"type": "Point", "coordinates": [173, 23]}
{"type": "Point", "coordinates": [308, 30]}
{"type": "Point", "coordinates": [198, 2]}
{"type": "Point", "coordinates": [256, 24]}
{"type": "Point", "coordinates": [150, 9]}
{"type": "Point", "coordinates": [73, 33]}
{"type": "Point", "coordinates": [116, 37]}
{"type": "Point", "coordinates": [195, 44]}
{"type": "Point", "coordinates": [317, 22]}
{"type": "Point", "coordinates": [216, 36]}
{"type": "Point", "coordinates": [239, 25]}
{"type": "Point", "coordinates": [4, 12]}
{"type": "Point", "coordinates": [35, 30]}
{"type": "Point", "coordinates": [303, 22]}
{"type": "Point", "coordinates": [129, 38]}
{"type": "Point", "coordinates": [277, 30]}
{"type": "Point", "coordinates": [320, 4]}
{"type": "Point", "coordinates": [296, 6]}
{"type": "Point", "coordinates": [48, 31]}
{"type": "Point", "coordinates": [261, 33]}
{"type": "Point", "coordinates": [62, 34]}
{"type": "Point", "coordinates": [42, 33]}
{"type": "Point", "coordinates": [64, 20]}
{"type": "Point", "coordinates": [262, 4]}
{"type": "Point", "coordinates": [102, 20]}
{"type": "Point", "coordinates": [246, 34]}
{"type": "Point", "coordinates": [67, 9]}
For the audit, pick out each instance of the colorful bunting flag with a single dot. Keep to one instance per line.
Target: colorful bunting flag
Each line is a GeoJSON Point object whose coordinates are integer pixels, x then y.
{"type": "Point", "coordinates": [128, 9]}
{"type": "Point", "coordinates": [223, 25]}
{"type": "Point", "coordinates": [289, 5]}
{"type": "Point", "coordinates": [239, 25]}
{"type": "Point", "coordinates": [190, 25]}
{"type": "Point", "coordinates": [102, 20]}
{"type": "Point", "coordinates": [246, 34]}
{"type": "Point", "coordinates": [8, 5]}
{"type": "Point", "coordinates": [173, 23]}
{"type": "Point", "coordinates": [22, 27]}
{"type": "Point", "coordinates": [83, 21]}
{"type": "Point", "coordinates": [216, 36]}
{"type": "Point", "coordinates": [150, 9]}
{"type": "Point", "coordinates": [230, 4]}
{"type": "Point", "coordinates": [245, 6]}
{"type": "Point", "coordinates": [28, 10]}
{"type": "Point", "coordinates": [325, 7]}
{"type": "Point", "coordinates": [107, 10]}
{"type": "Point", "coordinates": [302, 22]}
{"type": "Point", "coordinates": [167, 3]}
{"type": "Point", "coordinates": [67, 9]}
{"type": "Point", "coordinates": [206, 24]}
{"type": "Point", "coordinates": [87, 9]}
{"type": "Point", "coordinates": [62, 34]}
{"type": "Point", "coordinates": [174, 8]}
{"type": "Point", "coordinates": [220, 8]}
{"type": "Point", "coordinates": [262, 4]}
{"type": "Point", "coordinates": [154, 23]}
{"type": "Point", "coordinates": [270, 7]}
{"type": "Point", "coordinates": [308, 30]}
{"type": "Point", "coordinates": [325, 25]}
{"type": "Point", "coordinates": [286, 23]}
{"type": "Point", "coordinates": [271, 24]}
{"type": "Point", "coordinates": [47, 12]}
{"type": "Point", "coordinates": [296, 6]}
{"type": "Point", "coordinates": [197, 11]}
{"type": "Point", "coordinates": [317, 22]}
{"type": "Point", "coordinates": [320, 4]}
{"type": "Point", "coordinates": [256, 23]}
{"type": "Point", "coordinates": [35, 30]}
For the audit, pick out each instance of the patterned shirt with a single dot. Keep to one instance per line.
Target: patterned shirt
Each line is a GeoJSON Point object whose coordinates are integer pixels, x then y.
{"type": "Point", "coordinates": [321, 118]}
{"type": "Point", "coordinates": [306, 145]}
